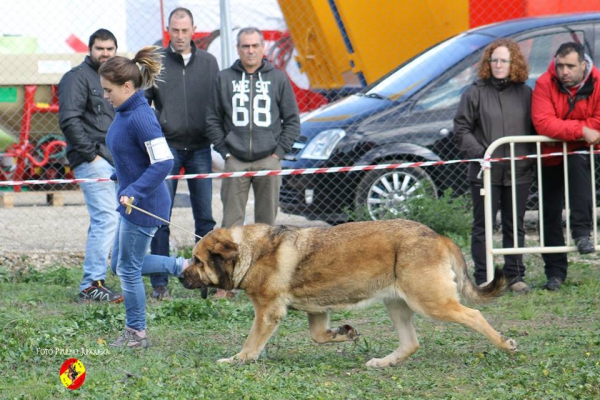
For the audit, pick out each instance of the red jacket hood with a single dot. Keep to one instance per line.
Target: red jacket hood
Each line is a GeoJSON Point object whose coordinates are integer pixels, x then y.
{"type": "Point", "coordinates": [588, 71]}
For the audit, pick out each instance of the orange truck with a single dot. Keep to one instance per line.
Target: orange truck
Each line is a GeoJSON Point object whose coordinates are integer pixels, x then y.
{"type": "Point", "coordinates": [355, 42]}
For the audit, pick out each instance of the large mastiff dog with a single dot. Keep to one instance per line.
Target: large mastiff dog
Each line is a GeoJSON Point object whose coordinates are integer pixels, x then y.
{"type": "Point", "coordinates": [402, 263]}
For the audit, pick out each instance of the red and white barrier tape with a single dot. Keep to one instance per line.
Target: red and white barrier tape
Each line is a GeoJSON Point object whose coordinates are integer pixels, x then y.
{"type": "Point", "coordinates": [298, 171]}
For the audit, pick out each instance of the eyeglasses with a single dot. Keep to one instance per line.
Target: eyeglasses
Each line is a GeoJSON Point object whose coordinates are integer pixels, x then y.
{"type": "Point", "coordinates": [499, 60]}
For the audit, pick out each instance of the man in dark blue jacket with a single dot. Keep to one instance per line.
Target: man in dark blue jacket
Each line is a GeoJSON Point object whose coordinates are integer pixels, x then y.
{"type": "Point", "coordinates": [180, 102]}
{"type": "Point", "coordinates": [84, 117]}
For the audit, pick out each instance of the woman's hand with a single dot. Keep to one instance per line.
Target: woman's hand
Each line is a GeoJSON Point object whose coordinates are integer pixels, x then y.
{"type": "Point", "coordinates": [127, 202]}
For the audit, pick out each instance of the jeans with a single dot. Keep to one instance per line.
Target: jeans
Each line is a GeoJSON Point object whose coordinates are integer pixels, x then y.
{"type": "Point", "coordinates": [580, 199]}
{"type": "Point", "coordinates": [131, 261]}
{"type": "Point", "coordinates": [235, 191]}
{"type": "Point", "coordinates": [101, 201]}
{"type": "Point", "coordinates": [514, 268]}
{"type": "Point", "coordinates": [194, 162]}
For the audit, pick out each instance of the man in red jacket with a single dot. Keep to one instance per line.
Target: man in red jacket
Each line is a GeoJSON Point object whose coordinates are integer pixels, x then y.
{"type": "Point", "coordinates": [566, 106]}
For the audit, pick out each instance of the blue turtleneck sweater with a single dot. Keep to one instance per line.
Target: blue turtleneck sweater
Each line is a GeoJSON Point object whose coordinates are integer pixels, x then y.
{"type": "Point", "coordinates": [135, 124]}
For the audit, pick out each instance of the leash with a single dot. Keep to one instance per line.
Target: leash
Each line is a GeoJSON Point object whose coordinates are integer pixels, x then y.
{"type": "Point", "coordinates": [131, 206]}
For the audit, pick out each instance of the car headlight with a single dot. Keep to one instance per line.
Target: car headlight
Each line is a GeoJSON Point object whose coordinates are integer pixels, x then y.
{"type": "Point", "coordinates": [322, 145]}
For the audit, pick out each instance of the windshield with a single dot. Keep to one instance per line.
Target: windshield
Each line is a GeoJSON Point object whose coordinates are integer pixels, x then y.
{"type": "Point", "coordinates": [425, 67]}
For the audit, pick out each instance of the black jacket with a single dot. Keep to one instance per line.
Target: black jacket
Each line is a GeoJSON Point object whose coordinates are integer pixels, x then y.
{"type": "Point", "coordinates": [490, 110]}
{"type": "Point", "coordinates": [181, 97]}
{"type": "Point", "coordinates": [84, 115]}
{"type": "Point", "coordinates": [265, 119]}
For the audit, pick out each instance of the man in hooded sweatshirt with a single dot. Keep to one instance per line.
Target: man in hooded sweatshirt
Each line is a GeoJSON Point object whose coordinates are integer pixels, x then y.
{"type": "Point", "coordinates": [252, 120]}
{"type": "Point", "coordinates": [566, 106]}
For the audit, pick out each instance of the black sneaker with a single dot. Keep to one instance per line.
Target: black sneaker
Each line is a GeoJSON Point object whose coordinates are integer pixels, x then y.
{"type": "Point", "coordinates": [131, 340]}
{"type": "Point", "coordinates": [99, 292]}
{"type": "Point", "coordinates": [584, 245]}
{"type": "Point", "coordinates": [160, 293]}
{"type": "Point", "coordinates": [553, 284]}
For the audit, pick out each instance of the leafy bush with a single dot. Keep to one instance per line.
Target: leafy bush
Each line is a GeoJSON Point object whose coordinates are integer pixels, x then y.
{"type": "Point", "coordinates": [447, 215]}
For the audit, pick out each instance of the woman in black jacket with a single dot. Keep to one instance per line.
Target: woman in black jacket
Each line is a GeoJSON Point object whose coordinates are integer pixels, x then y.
{"type": "Point", "coordinates": [495, 106]}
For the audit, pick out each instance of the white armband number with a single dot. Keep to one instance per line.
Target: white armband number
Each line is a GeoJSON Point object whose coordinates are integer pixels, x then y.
{"type": "Point", "coordinates": [158, 150]}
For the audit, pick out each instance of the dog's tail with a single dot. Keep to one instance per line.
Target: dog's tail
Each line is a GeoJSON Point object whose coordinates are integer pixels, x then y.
{"type": "Point", "coordinates": [467, 288]}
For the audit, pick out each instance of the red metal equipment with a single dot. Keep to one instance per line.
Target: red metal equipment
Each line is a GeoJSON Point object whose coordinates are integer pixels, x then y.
{"type": "Point", "coordinates": [24, 151]}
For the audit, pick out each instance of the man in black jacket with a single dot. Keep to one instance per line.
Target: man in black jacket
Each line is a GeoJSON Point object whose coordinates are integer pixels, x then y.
{"type": "Point", "coordinates": [180, 102]}
{"type": "Point", "coordinates": [84, 118]}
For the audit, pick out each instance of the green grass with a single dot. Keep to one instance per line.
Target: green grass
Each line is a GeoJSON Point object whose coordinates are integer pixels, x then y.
{"type": "Point", "coordinates": [558, 335]}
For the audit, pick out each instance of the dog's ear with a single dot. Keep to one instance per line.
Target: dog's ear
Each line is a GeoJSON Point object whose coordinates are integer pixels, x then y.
{"type": "Point", "coordinates": [226, 249]}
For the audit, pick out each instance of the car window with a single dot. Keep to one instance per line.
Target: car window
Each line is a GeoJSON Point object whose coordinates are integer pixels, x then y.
{"type": "Point", "coordinates": [447, 91]}
{"type": "Point", "coordinates": [412, 76]}
{"type": "Point", "coordinates": [538, 51]}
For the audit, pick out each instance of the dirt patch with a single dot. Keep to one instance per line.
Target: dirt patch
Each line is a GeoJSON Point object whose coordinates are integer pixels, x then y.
{"type": "Point", "coordinates": [40, 260]}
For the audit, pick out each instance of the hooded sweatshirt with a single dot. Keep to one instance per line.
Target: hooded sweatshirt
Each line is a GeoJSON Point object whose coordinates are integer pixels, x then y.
{"type": "Point", "coordinates": [560, 114]}
{"type": "Point", "coordinates": [252, 116]}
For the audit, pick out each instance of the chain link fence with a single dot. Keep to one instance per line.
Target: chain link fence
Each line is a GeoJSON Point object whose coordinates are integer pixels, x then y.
{"type": "Point", "coordinates": [341, 57]}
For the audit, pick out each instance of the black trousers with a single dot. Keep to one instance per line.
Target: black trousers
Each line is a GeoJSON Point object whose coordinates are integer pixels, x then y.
{"type": "Point", "coordinates": [514, 268]}
{"type": "Point", "coordinates": [580, 198]}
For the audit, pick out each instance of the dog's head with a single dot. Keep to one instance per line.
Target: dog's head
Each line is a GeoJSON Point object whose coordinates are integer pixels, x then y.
{"type": "Point", "coordinates": [213, 262]}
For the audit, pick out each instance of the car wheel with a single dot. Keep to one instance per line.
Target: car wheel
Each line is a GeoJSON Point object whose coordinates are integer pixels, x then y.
{"type": "Point", "coordinates": [382, 194]}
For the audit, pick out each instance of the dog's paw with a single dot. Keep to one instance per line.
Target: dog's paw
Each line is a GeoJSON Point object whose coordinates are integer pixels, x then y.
{"type": "Point", "coordinates": [351, 332]}
{"type": "Point", "coordinates": [240, 358]}
{"type": "Point", "coordinates": [345, 332]}
{"type": "Point", "coordinates": [378, 363]}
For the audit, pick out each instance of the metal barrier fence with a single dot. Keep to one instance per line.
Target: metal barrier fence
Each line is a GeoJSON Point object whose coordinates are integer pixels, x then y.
{"type": "Point", "coordinates": [331, 50]}
{"type": "Point", "coordinates": [491, 251]}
